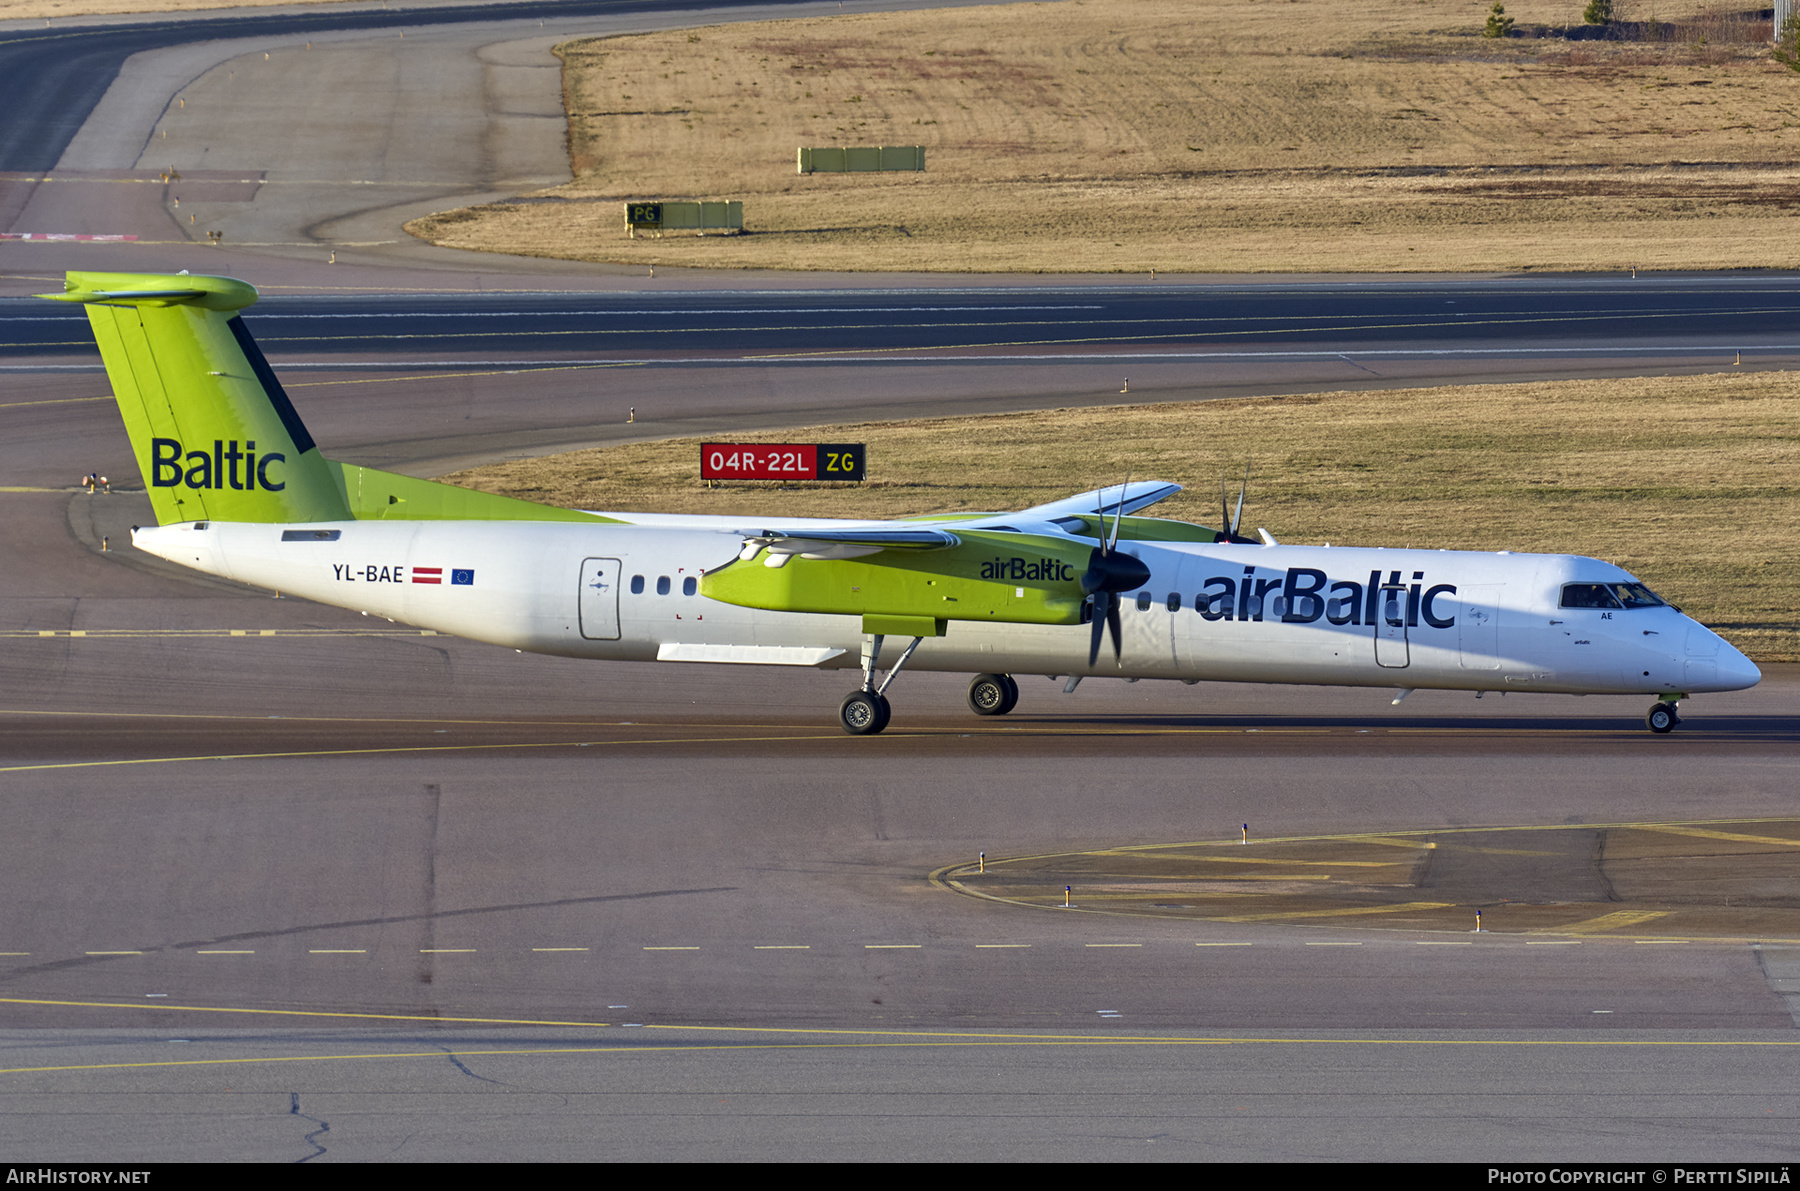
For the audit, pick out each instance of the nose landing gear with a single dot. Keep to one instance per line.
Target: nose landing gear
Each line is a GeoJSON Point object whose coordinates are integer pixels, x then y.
{"type": "Point", "coordinates": [1662, 717]}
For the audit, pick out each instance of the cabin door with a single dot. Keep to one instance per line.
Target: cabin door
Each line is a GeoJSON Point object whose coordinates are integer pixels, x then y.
{"type": "Point", "coordinates": [598, 598]}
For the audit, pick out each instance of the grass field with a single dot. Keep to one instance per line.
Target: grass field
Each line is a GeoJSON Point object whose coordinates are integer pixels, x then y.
{"type": "Point", "coordinates": [1181, 135]}
{"type": "Point", "coordinates": [1688, 482]}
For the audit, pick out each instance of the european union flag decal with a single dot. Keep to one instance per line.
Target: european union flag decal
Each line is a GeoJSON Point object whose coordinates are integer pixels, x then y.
{"type": "Point", "coordinates": [462, 578]}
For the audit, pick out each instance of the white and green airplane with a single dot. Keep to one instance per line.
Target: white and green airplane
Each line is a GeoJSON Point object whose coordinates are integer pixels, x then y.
{"type": "Point", "coordinates": [240, 490]}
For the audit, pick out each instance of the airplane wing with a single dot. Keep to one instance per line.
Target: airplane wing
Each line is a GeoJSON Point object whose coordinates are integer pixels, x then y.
{"type": "Point", "coordinates": [1111, 501]}
{"type": "Point", "coordinates": [820, 542]}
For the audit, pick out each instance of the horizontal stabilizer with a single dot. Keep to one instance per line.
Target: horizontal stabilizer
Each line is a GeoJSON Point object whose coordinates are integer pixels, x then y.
{"type": "Point", "coordinates": [155, 290]}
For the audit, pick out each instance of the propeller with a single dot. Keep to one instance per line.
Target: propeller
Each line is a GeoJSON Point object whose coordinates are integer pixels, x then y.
{"type": "Point", "coordinates": [1228, 521]}
{"type": "Point", "coordinates": [1109, 573]}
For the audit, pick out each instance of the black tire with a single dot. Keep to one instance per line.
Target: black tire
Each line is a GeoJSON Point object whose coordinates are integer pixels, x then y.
{"type": "Point", "coordinates": [992, 694]}
{"type": "Point", "coordinates": [863, 713]}
{"type": "Point", "coordinates": [1661, 718]}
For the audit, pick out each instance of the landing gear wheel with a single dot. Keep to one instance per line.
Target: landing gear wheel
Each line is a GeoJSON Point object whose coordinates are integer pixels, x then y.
{"type": "Point", "coordinates": [864, 713]}
{"type": "Point", "coordinates": [993, 694]}
{"type": "Point", "coordinates": [1662, 718]}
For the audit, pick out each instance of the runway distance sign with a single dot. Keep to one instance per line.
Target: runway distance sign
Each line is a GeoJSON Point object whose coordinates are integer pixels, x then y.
{"type": "Point", "coordinates": [783, 461]}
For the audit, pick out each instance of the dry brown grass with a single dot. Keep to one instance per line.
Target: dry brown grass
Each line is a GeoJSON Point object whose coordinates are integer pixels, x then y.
{"type": "Point", "coordinates": [1689, 482]}
{"type": "Point", "coordinates": [1179, 135]}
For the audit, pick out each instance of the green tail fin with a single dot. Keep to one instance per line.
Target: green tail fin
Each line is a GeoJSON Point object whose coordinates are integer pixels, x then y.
{"type": "Point", "coordinates": [214, 434]}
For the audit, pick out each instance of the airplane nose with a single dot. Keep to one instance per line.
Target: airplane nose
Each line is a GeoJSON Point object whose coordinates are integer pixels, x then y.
{"type": "Point", "coordinates": [1735, 670]}
{"type": "Point", "coordinates": [1713, 664]}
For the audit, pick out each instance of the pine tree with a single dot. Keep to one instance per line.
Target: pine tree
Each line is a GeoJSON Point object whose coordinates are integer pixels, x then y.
{"type": "Point", "coordinates": [1598, 12]}
{"type": "Point", "coordinates": [1787, 43]}
{"type": "Point", "coordinates": [1498, 23]}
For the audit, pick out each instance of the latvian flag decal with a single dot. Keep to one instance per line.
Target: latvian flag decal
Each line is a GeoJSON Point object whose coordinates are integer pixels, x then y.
{"type": "Point", "coordinates": [435, 575]}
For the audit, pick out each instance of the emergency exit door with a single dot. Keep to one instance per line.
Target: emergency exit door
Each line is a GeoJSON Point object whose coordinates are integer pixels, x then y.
{"type": "Point", "coordinates": [1392, 649]}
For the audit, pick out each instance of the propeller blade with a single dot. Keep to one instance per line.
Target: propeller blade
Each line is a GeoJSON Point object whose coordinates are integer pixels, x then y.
{"type": "Point", "coordinates": [1112, 626]}
{"type": "Point", "coordinates": [1229, 520]}
{"type": "Point", "coordinates": [1119, 516]}
{"type": "Point", "coordinates": [1103, 603]}
{"type": "Point", "coordinates": [1238, 517]}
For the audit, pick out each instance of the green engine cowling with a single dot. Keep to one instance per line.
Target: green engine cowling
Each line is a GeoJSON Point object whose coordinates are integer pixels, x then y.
{"type": "Point", "coordinates": [996, 577]}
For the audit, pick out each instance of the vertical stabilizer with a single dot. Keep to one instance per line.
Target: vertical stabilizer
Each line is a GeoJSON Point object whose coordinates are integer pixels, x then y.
{"type": "Point", "coordinates": [214, 434]}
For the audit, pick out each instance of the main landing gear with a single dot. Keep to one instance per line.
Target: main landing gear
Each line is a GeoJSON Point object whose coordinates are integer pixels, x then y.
{"type": "Point", "coordinates": [865, 712]}
{"type": "Point", "coordinates": [1662, 717]}
{"type": "Point", "coordinates": [993, 694]}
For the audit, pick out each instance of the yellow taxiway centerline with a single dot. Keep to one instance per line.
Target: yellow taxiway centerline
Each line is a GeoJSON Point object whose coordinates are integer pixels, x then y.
{"type": "Point", "coordinates": [858, 1039]}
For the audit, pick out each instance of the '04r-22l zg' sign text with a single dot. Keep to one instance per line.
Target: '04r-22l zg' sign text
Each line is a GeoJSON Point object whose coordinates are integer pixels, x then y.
{"type": "Point", "coordinates": [782, 461]}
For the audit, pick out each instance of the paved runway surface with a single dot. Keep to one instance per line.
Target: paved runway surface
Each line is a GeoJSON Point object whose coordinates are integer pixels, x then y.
{"type": "Point", "coordinates": [1558, 319]}
{"type": "Point", "coordinates": [280, 883]}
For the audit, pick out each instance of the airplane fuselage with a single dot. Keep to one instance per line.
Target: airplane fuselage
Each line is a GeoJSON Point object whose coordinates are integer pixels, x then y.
{"type": "Point", "coordinates": [1402, 618]}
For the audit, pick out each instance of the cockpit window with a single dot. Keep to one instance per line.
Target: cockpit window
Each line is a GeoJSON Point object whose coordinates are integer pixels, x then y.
{"type": "Point", "coordinates": [1636, 595]}
{"type": "Point", "coordinates": [1588, 595]}
{"type": "Point", "coordinates": [1609, 595]}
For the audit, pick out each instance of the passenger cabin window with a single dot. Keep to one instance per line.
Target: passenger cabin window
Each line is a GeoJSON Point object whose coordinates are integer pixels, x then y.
{"type": "Point", "coordinates": [1144, 598]}
{"type": "Point", "coordinates": [690, 585]}
{"type": "Point", "coordinates": [637, 585]}
{"type": "Point", "coordinates": [662, 585]}
{"type": "Point", "coordinates": [1174, 601]}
